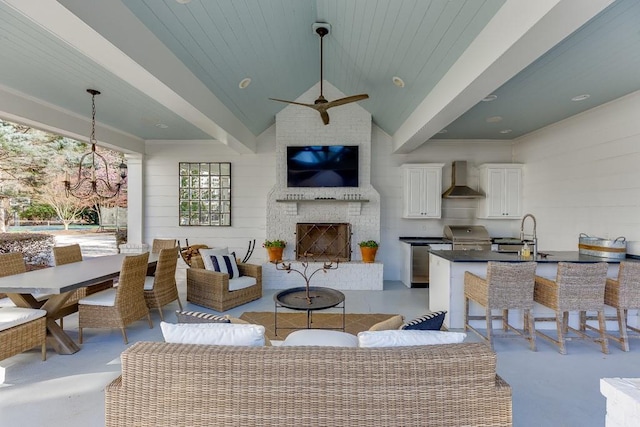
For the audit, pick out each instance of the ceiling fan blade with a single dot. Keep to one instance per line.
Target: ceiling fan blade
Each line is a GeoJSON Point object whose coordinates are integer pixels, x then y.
{"type": "Point", "coordinates": [294, 102]}
{"type": "Point", "coordinates": [325, 117]}
{"type": "Point", "coordinates": [346, 100]}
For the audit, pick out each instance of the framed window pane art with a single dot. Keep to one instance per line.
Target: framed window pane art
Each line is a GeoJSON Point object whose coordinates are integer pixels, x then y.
{"type": "Point", "coordinates": [205, 194]}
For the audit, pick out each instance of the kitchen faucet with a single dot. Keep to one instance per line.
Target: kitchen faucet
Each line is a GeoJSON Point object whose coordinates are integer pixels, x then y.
{"type": "Point", "coordinates": [534, 238]}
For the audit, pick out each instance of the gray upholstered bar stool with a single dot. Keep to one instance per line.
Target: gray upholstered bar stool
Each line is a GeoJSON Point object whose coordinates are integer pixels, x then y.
{"type": "Point", "coordinates": [508, 285]}
{"type": "Point", "coordinates": [578, 287]}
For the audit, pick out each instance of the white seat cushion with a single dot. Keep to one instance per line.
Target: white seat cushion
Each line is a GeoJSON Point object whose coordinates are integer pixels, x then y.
{"type": "Point", "coordinates": [105, 298]}
{"type": "Point", "coordinates": [404, 338]}
{"type": "Point", "coordinates": [148, 283]}
{"type": "Point", "coordinates": [241, 282]}
{"type": "Point", "coordinates": [14, 316]}
{"type": "Point", "coordinates": [214, 334]}
{"type": "Point", "coordinates": [320, 337]}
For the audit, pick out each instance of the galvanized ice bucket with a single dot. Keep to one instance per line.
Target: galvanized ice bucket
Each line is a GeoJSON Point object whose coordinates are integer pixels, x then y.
{"type": "Point", "coordinates": [604, 248]}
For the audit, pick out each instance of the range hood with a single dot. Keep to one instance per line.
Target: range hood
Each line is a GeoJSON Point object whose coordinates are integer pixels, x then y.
{"type": "Point", "coordinates": [459, 188]}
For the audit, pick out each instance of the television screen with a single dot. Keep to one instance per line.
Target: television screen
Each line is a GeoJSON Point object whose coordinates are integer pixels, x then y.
{"type": "Point", "coordinates": [322, 166]}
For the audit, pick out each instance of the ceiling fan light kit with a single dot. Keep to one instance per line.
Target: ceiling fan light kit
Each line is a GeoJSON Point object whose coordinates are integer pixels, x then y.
{"type": "Point", "coordinates": [321, 105]}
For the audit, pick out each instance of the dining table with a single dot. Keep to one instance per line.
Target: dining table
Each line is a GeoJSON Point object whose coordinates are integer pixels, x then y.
{"type": "Point", "coordinates": [58, 283]}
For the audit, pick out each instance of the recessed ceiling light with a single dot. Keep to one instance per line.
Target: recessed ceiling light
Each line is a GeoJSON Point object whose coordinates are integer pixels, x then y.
{"type": "Point", "coordinates": [494, 119]}
{"type": "Point", "coordinates": [506, 131]}
{"type": "Point", "coordinates": [397, 81]}
{"type": "Point", "coordinates": [443, 131]}
{"type": "Point", "coordinates": [581, 97]}
{"type": "Point", "coordinates": [161, 125]}
{"type": "Point", "coordinates": [489, 98]}
{"type": "Point", "coordinates": [244, 83]}
{"type": "Point", "coordinates": [183, 1]}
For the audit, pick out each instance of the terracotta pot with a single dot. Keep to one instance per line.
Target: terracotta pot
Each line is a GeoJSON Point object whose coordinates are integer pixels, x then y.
{"type": "Point", "coordinates": [368, 254]}
{"type": "Point", "coordinates": [275, 254]}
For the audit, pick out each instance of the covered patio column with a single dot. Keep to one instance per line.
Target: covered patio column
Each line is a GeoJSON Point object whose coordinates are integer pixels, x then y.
{"type": "Point", "coordinates": [135, 205]}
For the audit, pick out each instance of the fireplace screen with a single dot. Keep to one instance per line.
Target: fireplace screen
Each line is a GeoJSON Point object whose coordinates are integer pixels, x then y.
{"type": "Point", "coordinates": [323, 241]}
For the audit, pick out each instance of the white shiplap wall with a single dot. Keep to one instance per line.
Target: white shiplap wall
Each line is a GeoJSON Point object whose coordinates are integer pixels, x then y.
{"type": "Point", "coordinates": [583, 175]}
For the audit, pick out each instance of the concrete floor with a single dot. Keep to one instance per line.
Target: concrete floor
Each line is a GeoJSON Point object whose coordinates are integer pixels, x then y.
{"type": "Point", "coordinates": [548, 389]}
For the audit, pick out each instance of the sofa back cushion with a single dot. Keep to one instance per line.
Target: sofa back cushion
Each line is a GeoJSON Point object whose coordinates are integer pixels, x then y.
{"type": "Point", "coordinates": [403, 338]}
{"type": "Point", "coordinates": [213, 334]}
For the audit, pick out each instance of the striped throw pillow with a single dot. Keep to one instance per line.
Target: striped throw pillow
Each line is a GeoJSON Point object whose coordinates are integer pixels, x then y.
{"type": "Point", "coordinates": [429, 322]}
{"type": "Point", "coordinates": [225, 264]}
{"type": "Point", "coordinates": [198, 317]}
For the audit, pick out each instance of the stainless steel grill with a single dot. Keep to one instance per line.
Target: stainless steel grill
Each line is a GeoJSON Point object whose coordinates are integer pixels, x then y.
{"type": "Point", "coordinates": [468, 237]}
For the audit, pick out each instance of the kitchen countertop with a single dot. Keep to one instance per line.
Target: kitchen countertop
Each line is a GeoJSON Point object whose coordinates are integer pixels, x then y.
{"type": "Point", "coordinates": [423, 241]}
{"type": "Point", "coordinates": [486, 256]}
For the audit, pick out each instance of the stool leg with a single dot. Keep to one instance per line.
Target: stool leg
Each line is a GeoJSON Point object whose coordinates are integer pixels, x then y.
{"type": "Point", "coordinates": [622, 328]}
{"type": "Point", "coordinates": [489, 327]}
{"type": "Point", "coordinates": [561, 320]}
{"type": "Point", "coordinates": [604, 342]}
{"type": "Point", "coordinates": [466, 313]}
{"type": "Point", "coordinates": [505, 319]}
{"type": "Point", "coordinates": [530, 325]}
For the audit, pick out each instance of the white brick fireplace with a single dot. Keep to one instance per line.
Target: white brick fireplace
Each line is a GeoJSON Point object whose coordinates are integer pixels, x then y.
{"type": "Point", "coordinates": [299, 126]}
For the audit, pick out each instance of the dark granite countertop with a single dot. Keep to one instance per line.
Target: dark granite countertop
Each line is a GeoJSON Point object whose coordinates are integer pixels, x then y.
{"type": "Point", "coordinates": [423, 241]}
{"type": "Point", "coordinates": [552, 257]}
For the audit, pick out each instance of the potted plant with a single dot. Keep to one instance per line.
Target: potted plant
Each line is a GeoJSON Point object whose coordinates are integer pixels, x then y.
{"type": "Point", "coordinates": [274, 249]}
{"type": "Point", "coordinates": [368, 249]}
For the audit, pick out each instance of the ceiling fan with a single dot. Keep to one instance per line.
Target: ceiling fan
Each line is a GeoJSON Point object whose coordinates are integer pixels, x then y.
{"type": "Point", "coordinates": [321, 105]}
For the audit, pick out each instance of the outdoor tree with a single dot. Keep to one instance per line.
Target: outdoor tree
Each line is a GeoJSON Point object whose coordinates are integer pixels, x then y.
{"type": "Point", "coordinates": [68, 209]}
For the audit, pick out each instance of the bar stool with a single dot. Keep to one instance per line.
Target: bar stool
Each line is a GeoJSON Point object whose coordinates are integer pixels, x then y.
{"type": "Point", "coordinates": [508, 285]}
{"type": "Point", "coordinates": [624, 294]}
{"type": "Point", "coordinates": [578, 287]}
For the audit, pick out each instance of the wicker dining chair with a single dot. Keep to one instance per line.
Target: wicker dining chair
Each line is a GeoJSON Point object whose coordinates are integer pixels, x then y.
{"type": "Point", "coordinates": [13, 263]}
{"type": "Point", "coordinates": [623, 294]}
{"type": "Point", "coordinates": [67, 255]}
{"type": "Point", "coordinates": [161, 289]}
{"type": "Point", "coordinates": [507, 286]}
{"type": "Point", "coordinates": [120, 306]}
{"type": "Point", "coordinates": [159, 244]}
{"type": "Point", "coordinates": [578, 287]}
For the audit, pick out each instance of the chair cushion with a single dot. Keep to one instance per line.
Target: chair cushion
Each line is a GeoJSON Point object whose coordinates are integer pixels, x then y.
{"type": "Point", "coordinates": [320, 337]}
{"type": "Point", "coordinates": [224, 264]}
{"type": "Point", "coordinates": [241, 282]}
{"type": "Point", "coordinates": [198, 317]}
{"type": "Point", "coordinates": [14, 316]}
{"type": "Point", "coordinates": [429, 322]}
{"type": "Point", "coordinates": [213, 334]}
{"type": "Point", "coordinates": [105, 298]}
{"type": "Point", "coordinates": [148, 283]}
{"type": "Point", "coordinates": [394, 322]}
{"type": "Point", "coordinates": [400, 338]}
{"type": "Point", "coordinates": [207, 253]}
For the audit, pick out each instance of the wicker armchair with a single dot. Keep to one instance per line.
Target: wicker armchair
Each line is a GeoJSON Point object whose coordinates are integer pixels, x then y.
{"type": "Point", "coordinates": [161, 289]}
{"type": "Point", "coordinates": [578, 287]}
{"type": "Point", "coordinates": [624, 294]}
{"type": "Point", "coordinates": [67, 255]}
{"type": "Point", "coordinates": [120, 306]}
{"type": "Point", "coordinates": [13, 263]}
{"type": "Point", "coordinates": [25, 336]}
{"type": "Point", "coordinates": [159, 244]}
{"type": "Point", "coordinates": [211, 289]}
{"type": "Point", "coordinates": [507, 286]}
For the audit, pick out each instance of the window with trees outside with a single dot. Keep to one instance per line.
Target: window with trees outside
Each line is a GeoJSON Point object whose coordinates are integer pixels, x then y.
{"type": "Point", "coordinates": [205, 194]}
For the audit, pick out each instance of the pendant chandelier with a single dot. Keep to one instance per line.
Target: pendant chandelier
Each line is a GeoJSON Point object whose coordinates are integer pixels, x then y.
{"type": "Point", "coordinates": [93, 172]}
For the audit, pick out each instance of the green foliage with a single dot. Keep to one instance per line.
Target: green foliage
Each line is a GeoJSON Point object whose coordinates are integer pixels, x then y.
{"type": "Point", "coordinates": [274, 244]}
{"type": "Point", "coordinates": [368, 244]}
{"type": "Point", "coordinates": [38, 212]}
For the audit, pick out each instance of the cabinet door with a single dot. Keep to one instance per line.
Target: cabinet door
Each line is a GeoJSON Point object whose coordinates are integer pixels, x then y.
{"type": "Point", "coordinates": [512, 197]}
{"type": "Point", "coordinates": [495, 192]}
{"type": "Point", "coordinates": [414, 189]}
{"type": "Point", "coordinates": [432, 196]}
{"type": "Point", "coordinates": [422, 187]}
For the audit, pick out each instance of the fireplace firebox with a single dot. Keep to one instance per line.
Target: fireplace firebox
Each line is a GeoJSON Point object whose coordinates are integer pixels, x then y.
{"type": "Point", "coordinates": [323, 241]}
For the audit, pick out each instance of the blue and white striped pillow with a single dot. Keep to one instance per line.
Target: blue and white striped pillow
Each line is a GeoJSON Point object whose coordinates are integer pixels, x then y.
{"type": "Point", "coordinates": [225, 264]}
{"type": "Point", "coordinates": [429, 322]}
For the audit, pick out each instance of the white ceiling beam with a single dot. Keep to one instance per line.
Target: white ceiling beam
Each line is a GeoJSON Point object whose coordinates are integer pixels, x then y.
{"type": "Point", "coordinates": [21, 108]}
{"type": "Point", "coordinates": [94, 29]}
{"type": "Point", "coordinates": [517, 35]}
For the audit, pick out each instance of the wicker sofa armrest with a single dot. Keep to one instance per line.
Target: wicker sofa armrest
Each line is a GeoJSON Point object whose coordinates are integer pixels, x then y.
{"type": "Point", "coordinates": [251, 270]}
{"type": "Point", "coordinates": [217, 282]}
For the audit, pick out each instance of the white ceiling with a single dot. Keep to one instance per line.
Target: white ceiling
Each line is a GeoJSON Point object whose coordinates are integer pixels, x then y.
{"type": "Point", "coordinates": [170, 71]}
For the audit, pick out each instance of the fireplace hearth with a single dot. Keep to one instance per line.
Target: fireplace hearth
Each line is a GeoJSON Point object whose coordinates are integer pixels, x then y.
{"type": "Point", "coordinates": [323, 241]}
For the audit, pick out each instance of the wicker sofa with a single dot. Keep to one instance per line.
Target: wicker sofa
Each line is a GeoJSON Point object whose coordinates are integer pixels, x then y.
{"type": "Point", "coordinates": [166, 384]}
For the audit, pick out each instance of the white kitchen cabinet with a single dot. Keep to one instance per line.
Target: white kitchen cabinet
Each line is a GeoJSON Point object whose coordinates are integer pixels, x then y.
{"type": "Point", "coordinates": [502, 184]}
{"type": "Point", "coordinates": [422, 190]}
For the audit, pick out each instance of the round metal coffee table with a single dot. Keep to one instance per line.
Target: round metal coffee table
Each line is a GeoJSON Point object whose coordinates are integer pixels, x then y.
{"type": "Point", "coordinates": [319, 299]}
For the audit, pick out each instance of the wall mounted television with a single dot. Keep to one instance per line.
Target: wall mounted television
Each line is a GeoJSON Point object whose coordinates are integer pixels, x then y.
{"type": "Point", "coordinates": [322, 166]}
